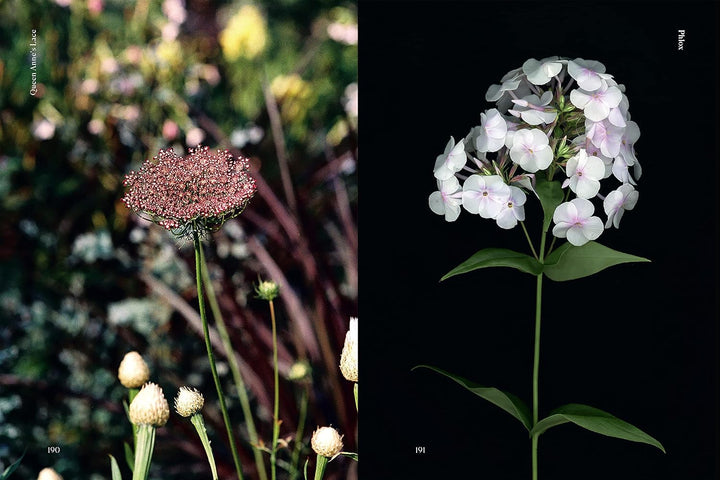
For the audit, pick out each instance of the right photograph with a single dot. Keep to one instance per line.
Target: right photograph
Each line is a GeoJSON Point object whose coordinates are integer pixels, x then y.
{"type": "Point", "coordinates": [549, 292]}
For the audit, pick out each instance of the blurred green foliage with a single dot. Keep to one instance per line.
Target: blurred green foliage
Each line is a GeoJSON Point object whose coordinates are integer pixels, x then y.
{"type": "Point", "coordinates": [117, 80]}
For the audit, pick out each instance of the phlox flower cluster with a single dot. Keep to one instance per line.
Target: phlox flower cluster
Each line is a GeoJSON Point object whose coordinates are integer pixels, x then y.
{"type": "Point", "coordinates": [555, 119]}
{"type": "Point", "coordinates": [198, 192]}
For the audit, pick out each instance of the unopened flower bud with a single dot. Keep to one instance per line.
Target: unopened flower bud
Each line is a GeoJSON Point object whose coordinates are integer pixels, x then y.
{"type": "Point", "coordinates": [150, 407]}
{"type": "Point", "coordinates": [326, 441]}
{"type": "Point", "coordinates": [349, 356]}
{"type": "Point", "coordinates": [48, 474]}
{"type": "Point", "coordinates": [299, 371]}
{"type": "Point", "coordinates": [188, 401]}
{"type": "Point", "coordinates": [267, 290]}
{"type": "Point", "coordinates": [133, 371]}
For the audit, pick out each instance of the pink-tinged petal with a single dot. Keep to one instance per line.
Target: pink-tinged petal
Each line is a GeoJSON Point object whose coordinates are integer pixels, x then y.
{"type": "Point", "coordinates": [584, 208]}
{"type": "Point", "coordinates": [519, 212]}
{"type": "Point", "coordinates": [560, 230]}
{"type": "Point", "coordinates": [436, 203]}
{"type": "Point", "coordinates": [471, 201]}
{"type": "Point", "coordinates": [616, 117]}
{"type": "Point", "coordinates": [579, 98]}
{"type": "Point", "coordinates": [489, 208]}
{"type": "Point", "coordinates": [586, 187]}
{"type": "Point", "coordinates": [506, 220]}
{"type": "Point", "coordinates": [594, 168]}
{"type": "Point", "coordinates": [543, 159]}
{"type": "Point", "coordinates": [616, 218]}
{"type": "Point", "coordinates": [612, 97]}
{"type": "Point", "coordinates": [596, 110]}
{"type": "Point", "coordinates": [592, 228]}
{"type": "Point", "coordinates": [565, 213]}
{"type": "Point", "coordinates": [575, 236]}
{"type": "Point", "coordinates": [452, 212]}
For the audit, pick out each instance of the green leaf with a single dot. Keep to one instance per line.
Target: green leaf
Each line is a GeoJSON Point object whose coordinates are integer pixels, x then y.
{"type": "Point", "coordinates": [114, 468]}
{"type": "Point", "coordinates": [9, 470]}
{"type": "Point", "coordinates": [596, 421]}
{"type": "Point", "coordinates": [497, 257]}
{"type": "Point", "coordinates": [551, 195]}
{"type": "Point", "coordinates": [305, 469]}
{"type": "Point", "coordinates": [129, 456]}
{"type": "Point", "coordinates": [568, 262]}
{"type": "Point", "coordinates": [507, 401]}
{"type": "Point", "coordinates": [352, 455]}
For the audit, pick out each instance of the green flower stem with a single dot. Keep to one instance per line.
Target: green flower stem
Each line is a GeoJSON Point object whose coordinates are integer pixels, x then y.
{"type": "Point", "coordinates": [208, 346]}
{"type": "Point", "coordinates": [532, 248]}
{"type": "Point", "coordinates": [355, 392]}
{"type": "Point", "coordinates": [131, 396]}
{"type": "Point", "coordinates": [276, 401]}
{"type": "Point", "coordinates": [320, 465]}
{"type": "Point", "coordinates": [143, 451]}
{"type": "Point", "coordinates": [234, 369]}
{"type": "Point", "coordinates": [536, 360]}
{"type": "Point", "coordinates": [295, 461]}
{"type": "Point", "coordinates": [197, 421]}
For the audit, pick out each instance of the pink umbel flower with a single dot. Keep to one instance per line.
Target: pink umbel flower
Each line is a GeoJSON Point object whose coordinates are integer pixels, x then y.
{"type": "Point", "coordinates": [198, 192]}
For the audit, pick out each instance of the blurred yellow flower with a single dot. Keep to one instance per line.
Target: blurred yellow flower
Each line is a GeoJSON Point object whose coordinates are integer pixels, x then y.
{"type": "Point", "coordinates": [245, 34]}
{"type": "Point", "coordinates": [293, 94]}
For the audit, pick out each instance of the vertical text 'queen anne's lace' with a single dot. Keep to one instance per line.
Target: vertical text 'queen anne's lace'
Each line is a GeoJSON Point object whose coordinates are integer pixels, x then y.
{"type": "Point", "coordinates": [569, 125]}
{"type": "Point", "coordinates": [198, 192]}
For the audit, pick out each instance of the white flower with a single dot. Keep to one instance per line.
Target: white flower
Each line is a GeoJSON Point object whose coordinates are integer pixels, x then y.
{"type": "Point", "coordinates": [617, 201]}
{"type": "Point", "coordinates": [349, 355]}
{"type": "Point", "coordinates": [492, 131]}
{"type": "Point", "coordinates": [326, 441]}
{"type": "Point", "coordinates": [631, 135]}
{"type": "Point", "coordinates": [540, 72]}
{"type": "Point", "coordinates": [446, 201]}
{"type": "Point", "coordinates": [575, 220]}
{"type": "Point", "coordinates": [451, 161]}
{"type": "Point", "coordinates": [188, 401]}
{"type": "Point", "coordinates": [533, 110]}
{"type": "Point", "coordinates": [584, 174]}
{"type": "Point", "coordinates": [605, 136]}
{"type": "Point", "coordinates": [588, 74]}
{"type": "Point", "coordinates": [596, 105]}
{"type": "Point", "coordinates": [149, 407]}
{"type": "Point", "coordinates": [485, 195]}
{"type": "Point", "coordinates": [512, 210]}
{"type": "Point", "coordinates": [133, 371]}
{"type": "Point", "coordinates": [530, 150]}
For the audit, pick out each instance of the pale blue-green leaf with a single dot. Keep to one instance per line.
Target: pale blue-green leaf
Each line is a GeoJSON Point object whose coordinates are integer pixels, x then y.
{"type": "Point", "coordinates": [595, 420]}
{"type": "Point", "coordinates": [9, 470]}
{"type": "Point", "coordinates": [497, 257]}
{"type": "Point", "coordinates": [507, 401]}
{"type": "Point", "coordinates": [114, 469]}
{"type": "Point", "coordinates": [568, 262]}
{"type": "Point", "coordinates": [129, 456]}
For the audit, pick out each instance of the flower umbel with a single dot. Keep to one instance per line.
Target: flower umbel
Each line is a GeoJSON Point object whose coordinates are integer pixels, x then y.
{"type": "Point", "coordinates": [197, 192]}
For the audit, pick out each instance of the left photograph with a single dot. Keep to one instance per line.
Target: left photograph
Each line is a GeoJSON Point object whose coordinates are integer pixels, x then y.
{"type": "Point", "coordinates": [179, 243]}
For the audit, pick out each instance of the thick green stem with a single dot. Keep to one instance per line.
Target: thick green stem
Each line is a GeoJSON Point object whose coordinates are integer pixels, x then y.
{"type": "Point", "coordinates": [320, 465]}
{"type": "Point", "coordinates": [131, 396]}
{"type": "Point", "coordinates": [536, 361]}
{"type": "Point", "coordinates": [143, 451]}
{"type": "Point", "coordinates": [211, 357]}
{"type": "Point", "coordinates": [234, 369]}
{"type": "Point", "coordinates": [197, 421]}
{"type": "Point", "coordinates": [276, 401]}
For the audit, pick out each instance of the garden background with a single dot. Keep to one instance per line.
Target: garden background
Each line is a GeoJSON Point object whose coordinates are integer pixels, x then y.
{"type": "Point", "coordinates": [83, 281]}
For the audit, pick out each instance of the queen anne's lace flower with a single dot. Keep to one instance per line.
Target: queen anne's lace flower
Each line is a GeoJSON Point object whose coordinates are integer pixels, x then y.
{"type": "Point", "coordinates": [197, 192]}
{"type": "Point", "coordinates": [569, 123]}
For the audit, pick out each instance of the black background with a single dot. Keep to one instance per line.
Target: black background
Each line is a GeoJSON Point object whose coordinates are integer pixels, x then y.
{"type": "Point", "coordinates": [639, 341]}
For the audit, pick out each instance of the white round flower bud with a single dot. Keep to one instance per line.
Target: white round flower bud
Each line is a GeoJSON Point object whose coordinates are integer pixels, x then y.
{"type": "Point", "coordinates": [349, 356]}
{"type": "Point", "coordinates": [188, 401]}
{"type": "Point", "coordinates": [326, 441]}
{"type": "Point", "coordinates": [150, 407]}
{"type": "Point", "coordinates": [48, 474]}
{"type": "Point", "coordinates": [133, 371]}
